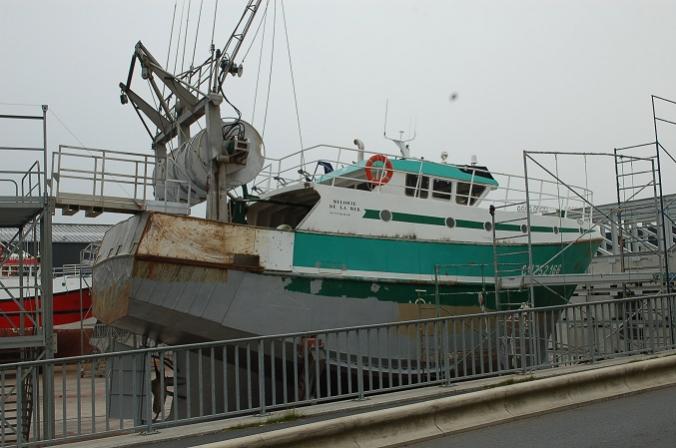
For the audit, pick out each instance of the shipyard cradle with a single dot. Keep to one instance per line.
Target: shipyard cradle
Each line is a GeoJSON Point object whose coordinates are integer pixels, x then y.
{"type": "Point", "coordinates": [378, 240]}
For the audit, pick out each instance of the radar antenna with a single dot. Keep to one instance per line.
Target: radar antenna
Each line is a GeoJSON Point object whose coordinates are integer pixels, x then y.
{"type": "Point", "coordinates": [402, 141]}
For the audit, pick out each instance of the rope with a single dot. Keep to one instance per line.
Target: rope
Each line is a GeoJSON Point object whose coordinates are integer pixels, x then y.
{"type": "Point", "coordinates": [272, 60]}
{"type": "Point", "coordinates": [293, 86]}
{"type": "Point", "coordinates": [264, 21]}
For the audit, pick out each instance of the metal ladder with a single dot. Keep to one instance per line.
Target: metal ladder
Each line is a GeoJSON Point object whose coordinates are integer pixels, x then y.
{"type": "Point", "coordinates": [507, 262]}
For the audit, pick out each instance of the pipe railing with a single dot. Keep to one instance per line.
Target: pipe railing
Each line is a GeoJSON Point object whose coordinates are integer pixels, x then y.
{"type": "Point", "coordinates": [291, 169]}
{"type": "Point", "coordinates": [114, 174]}
{"type": "Point", "coordinates": [153, 388]}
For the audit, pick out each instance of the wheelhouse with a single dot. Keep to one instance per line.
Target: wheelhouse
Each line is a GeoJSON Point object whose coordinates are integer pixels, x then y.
{"type": "Point", "coordinates": [459, 184]}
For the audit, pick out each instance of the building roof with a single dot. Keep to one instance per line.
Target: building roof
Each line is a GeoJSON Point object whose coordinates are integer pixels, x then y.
{"type": "Point", "coordinates": [66, 233]}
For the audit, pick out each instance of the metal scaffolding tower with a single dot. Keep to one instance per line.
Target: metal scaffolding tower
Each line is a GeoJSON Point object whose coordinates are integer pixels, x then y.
{"type": "Point", "coordinates": [26, 280]}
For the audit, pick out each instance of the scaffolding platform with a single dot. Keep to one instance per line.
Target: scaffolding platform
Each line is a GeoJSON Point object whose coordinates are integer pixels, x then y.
{"type": "Point", "coordinates": [17, 213]}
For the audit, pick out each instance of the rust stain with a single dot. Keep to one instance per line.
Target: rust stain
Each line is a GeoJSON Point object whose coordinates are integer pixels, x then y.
{"type": "Point", "coordinates": [198, 242]}
{"type": "Point", "coordinates": [170, 273]}
{"type": "Point", "coordinates": [413, 311]}
{"type": "Point", "coordinates": [112, 303]}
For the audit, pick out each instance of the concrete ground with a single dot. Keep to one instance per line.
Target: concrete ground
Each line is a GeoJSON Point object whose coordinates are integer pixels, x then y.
{"type": "Point", "coordinates": [644, 420]}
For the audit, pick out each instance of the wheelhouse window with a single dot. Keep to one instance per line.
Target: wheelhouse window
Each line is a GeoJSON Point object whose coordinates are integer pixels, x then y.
{"type": "Point", "coordinates": [417, 186]}
{"type": "Point", "coordinates": [468, 193]}
{"type": "Point", "coordinates": [442, 189]}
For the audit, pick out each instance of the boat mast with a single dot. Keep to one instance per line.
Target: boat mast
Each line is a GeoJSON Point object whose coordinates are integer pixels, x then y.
{"type": "Point", "coordinates": [193, 94]}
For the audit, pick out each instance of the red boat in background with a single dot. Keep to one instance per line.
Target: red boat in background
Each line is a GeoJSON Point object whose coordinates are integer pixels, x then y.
{"type": "Point", "coordinates": [71, 299]}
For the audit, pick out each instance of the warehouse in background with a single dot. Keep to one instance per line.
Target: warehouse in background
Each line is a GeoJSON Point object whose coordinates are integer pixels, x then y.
{"type": "Point", "coordinates": [68, 241]}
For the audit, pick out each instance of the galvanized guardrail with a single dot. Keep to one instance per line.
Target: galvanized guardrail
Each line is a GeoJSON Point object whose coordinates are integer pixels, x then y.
{"type": "Point", "coordinates": [152, 388]}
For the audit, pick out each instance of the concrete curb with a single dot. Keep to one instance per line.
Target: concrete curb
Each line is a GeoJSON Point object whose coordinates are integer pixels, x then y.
{"type": "Point", "coordinates": [475, 409]}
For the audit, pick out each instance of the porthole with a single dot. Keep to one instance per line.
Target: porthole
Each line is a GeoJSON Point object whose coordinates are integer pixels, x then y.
{"type": "Point", "coordinates": [450, 223]}
{"type": "Point", "coordinates": [524, 228]}
{"type": "Point", "coordinates": [488, 226]}
{"type": "Point", "coordinates": [386, 215]}
{"type": "Point", "coordinates": [556, 230]}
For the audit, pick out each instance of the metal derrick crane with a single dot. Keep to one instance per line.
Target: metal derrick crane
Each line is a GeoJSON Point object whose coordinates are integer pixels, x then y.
{"type": "Point", "coordinates": [191, 95]}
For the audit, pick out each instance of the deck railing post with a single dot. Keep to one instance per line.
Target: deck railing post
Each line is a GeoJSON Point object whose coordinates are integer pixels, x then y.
{"type": "Point", "coordinates": [261, 377]}
{"type": "Point", "coordinates": [360, 368]}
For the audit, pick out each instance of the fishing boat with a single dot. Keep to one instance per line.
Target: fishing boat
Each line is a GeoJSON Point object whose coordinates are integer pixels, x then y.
{"type": "Point", "coordinates": [328, 236]}
{"type": "Point", "coordinates": [383, 239]}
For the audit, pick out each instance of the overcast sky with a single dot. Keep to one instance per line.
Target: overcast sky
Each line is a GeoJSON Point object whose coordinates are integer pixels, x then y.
{"type": "Point", "coordinates": [550, 75]}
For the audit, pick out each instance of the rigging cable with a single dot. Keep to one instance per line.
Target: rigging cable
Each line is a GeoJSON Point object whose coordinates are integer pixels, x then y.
{"type": "Point", "coordinates": [178, 40]}
{"type": "Point", "coordinates": [171, 35]}
{"type": "Point", "coordinates": [171, 38]}
{"type": "Point", "coordinates": [185, 35]}
{"type": "Point", "coordinates": [264, 21]}
{"type": "Point", "coordinates": [272, 60]}
{"type": "Point", "coordinates": [253, 39]}
{"type": "Point", "coordinates": [293, 87]}
{"type": "Point", "coordinates": [194, 47]}
{"type": "Point", "coordinates": [194, 50]}
{"type": "Point", "coordinates": [212, 58]}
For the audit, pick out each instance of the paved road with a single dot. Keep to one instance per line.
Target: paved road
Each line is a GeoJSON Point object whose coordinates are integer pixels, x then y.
{"type": "Point", "coordinates": [646, 420]}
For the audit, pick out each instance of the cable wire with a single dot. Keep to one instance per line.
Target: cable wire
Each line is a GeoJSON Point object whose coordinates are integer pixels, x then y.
{"type": "Point", "coordinates": [260, 64]}
{"type": "Point", "coordinates": [293, 87]}
{"type": "Point", "coordinates": [272, 60]}
{"type": "Point", "coordinates": [185, 35]}
{"type": "Point", "coordinates": [178, 40]}
{"type": "Point", "coordinates": [253, 39]}
{"type": "Point", "coordinates": [197, 30]}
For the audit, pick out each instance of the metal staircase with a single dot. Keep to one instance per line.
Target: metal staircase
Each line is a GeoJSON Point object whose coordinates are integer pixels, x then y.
{"type": "Point", "coordinates": [25, 287]}
{"type": "Point", "coordinates": [16, 403]}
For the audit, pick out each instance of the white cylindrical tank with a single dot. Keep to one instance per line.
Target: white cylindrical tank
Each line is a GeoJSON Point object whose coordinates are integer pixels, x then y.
{"type": "Point", "coordinates": [191, 164]}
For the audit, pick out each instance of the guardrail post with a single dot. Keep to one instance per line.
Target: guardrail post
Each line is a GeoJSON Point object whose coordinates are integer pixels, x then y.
{"type": "Point", "coordinates": [148, 393]}
{"type": "Point", "coordinates": [447, 357]}
{"type": "Point", "coordinates": [103, 171]}
{"type": "Point", "coordinates": [651, 325]}
{"type": "Point", "coordinates": [261, 377]}
{"type": "Point", "coordinates": [360, 368]}
{"type": "Point", "coordinates": [591, 334]}
{"type": "Point", "coordinates": [522, 343]}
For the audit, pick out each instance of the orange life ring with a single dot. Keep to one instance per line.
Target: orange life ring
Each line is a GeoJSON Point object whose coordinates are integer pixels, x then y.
{"type": "Point", "coordinates": [386, 172]}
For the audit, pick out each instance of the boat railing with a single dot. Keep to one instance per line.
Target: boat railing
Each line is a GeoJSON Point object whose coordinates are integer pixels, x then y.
{"type": "Point", "coordinates": [114, 180]}
{"type": "Point", "coordinates": [67, 270]}
{"type": "Point", "coordinates": [546, 197]}
{"type": "Point", "coordinates": [72, 270]}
